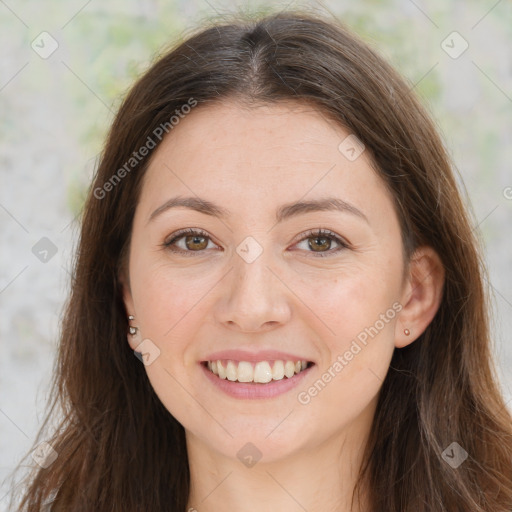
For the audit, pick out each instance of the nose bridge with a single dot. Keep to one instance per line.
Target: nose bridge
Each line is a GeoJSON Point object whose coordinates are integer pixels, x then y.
{"type": "Point", "coordinates": [255, 297]}
{"type": "Point", "coordinates": [252, 275]}
{"type": "Point", "coordinates": [251, 263]}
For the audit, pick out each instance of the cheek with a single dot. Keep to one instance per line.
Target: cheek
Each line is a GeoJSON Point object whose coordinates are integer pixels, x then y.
{"type": "Point", "coordinates": [165, 296]}
{"type": "Point", "coordinates": [356, 360]}
{"type": "Point", "coordinates": [168, 305]}
{"type": "Point", "coordinates": [360, 310]}
{"type": "Point", "coordinates": [356, 300]}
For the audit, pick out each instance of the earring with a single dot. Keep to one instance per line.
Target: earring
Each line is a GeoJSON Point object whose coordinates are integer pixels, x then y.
{"type": "Point", "coordinates": [133, 331]}
{"type": "Point", "coordinates": [407, 332]}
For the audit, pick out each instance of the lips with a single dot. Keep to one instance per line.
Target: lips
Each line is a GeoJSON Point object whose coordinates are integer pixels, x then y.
{"type": "Point", "coordinates": [255, 390]}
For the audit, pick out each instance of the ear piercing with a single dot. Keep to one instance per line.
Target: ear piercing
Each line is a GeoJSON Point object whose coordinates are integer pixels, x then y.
{"type": "Point", "coordinates": [132, 330]}
{"type": "Point", "coordinates": [407, 332]}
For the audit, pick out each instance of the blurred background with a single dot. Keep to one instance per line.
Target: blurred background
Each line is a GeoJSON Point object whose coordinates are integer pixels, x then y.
{"type": "Point", "coordinates": [64, 67]}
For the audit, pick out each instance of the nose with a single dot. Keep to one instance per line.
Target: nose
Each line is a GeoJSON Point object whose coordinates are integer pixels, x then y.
{"type": "Point", "coordinates": [254, 298]}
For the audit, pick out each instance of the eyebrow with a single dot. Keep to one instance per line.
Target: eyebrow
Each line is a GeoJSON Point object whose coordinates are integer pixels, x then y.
{"type": "Point", "coordinates": [284, 212]}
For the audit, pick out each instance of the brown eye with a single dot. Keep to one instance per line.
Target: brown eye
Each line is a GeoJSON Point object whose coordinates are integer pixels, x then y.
{"type": "Point", "coordinates": [196, 242]}
{"type": "Point", "coordinates": [188, 241]}
{"type": "Point", "coordinates": [319, 244]}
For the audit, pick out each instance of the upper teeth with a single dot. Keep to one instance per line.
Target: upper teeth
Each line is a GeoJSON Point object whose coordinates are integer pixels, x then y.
{"type": "Point", "coordinates": [262, 372]}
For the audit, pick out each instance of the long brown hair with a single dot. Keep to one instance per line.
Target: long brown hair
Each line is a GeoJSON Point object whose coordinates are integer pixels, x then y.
{"type": "Point", "coordinates": [119, 449]}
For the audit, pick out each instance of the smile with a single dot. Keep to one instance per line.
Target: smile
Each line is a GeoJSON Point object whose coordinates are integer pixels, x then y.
{"type": "Point", "coordinates": [261, 372]}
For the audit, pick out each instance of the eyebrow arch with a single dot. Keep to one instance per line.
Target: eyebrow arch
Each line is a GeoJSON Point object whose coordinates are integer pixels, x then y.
{"type": "Point", "coordinates": [284, 212]}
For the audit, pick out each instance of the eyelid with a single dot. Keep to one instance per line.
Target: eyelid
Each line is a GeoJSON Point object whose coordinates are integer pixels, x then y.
{"type": "Point", "coordinates": [185, 231]}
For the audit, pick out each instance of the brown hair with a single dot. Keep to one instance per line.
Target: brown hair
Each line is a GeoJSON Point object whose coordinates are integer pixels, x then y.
{"type": "Point", "coordinates": [119, 449]}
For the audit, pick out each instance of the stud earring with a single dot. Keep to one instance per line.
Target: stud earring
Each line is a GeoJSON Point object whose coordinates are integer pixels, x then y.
{"type": "Point", "coordinates": [133, 331]}
{"type": "Point", "coordinates": [407, 332]}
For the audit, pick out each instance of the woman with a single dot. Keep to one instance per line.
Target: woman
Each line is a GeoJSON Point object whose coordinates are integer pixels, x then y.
{"type": "Point", "coordinates": [274, 230]}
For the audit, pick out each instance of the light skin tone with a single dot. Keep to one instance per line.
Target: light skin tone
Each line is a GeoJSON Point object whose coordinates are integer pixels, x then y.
{"type": "Point", "coordinates": [206, 298]}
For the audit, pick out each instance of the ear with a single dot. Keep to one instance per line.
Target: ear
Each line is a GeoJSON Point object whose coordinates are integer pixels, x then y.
{"type": "Point", "coordinates": [421, 297]}
{"type": "Point", "coordinates": [124, 281]}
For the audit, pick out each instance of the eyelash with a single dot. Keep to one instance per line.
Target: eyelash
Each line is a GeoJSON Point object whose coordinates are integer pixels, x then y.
{"type": "Point", "coordinates": [315, 233]}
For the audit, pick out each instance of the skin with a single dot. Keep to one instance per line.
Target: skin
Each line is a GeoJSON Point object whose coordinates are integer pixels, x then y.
{"type": "Point", "coordinates": [252, 160]}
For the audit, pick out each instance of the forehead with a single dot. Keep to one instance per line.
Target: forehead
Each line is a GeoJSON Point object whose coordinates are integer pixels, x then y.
{"type": "Point", "coordinates": [252, 156]}
{"type": "Point", "coordinates": [235, 131]}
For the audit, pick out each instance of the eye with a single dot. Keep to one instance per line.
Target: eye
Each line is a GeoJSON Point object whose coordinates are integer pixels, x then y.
{"type": "Point", "coordinates": [190, 240]}
{"type": "Point", "coordinates": [195, 240]}
{"type": "Point", "coordinates": [320, 242]}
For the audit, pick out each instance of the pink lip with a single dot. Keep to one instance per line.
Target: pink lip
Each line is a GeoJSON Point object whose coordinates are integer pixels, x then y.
{"type": "Point", "coordinates": [253, 357]}
{"type": "Point", "coordinates": [242, 390]}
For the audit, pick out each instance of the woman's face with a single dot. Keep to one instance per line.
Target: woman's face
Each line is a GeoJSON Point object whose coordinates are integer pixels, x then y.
{"type": "Point", "coordinates": [257, 288]}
